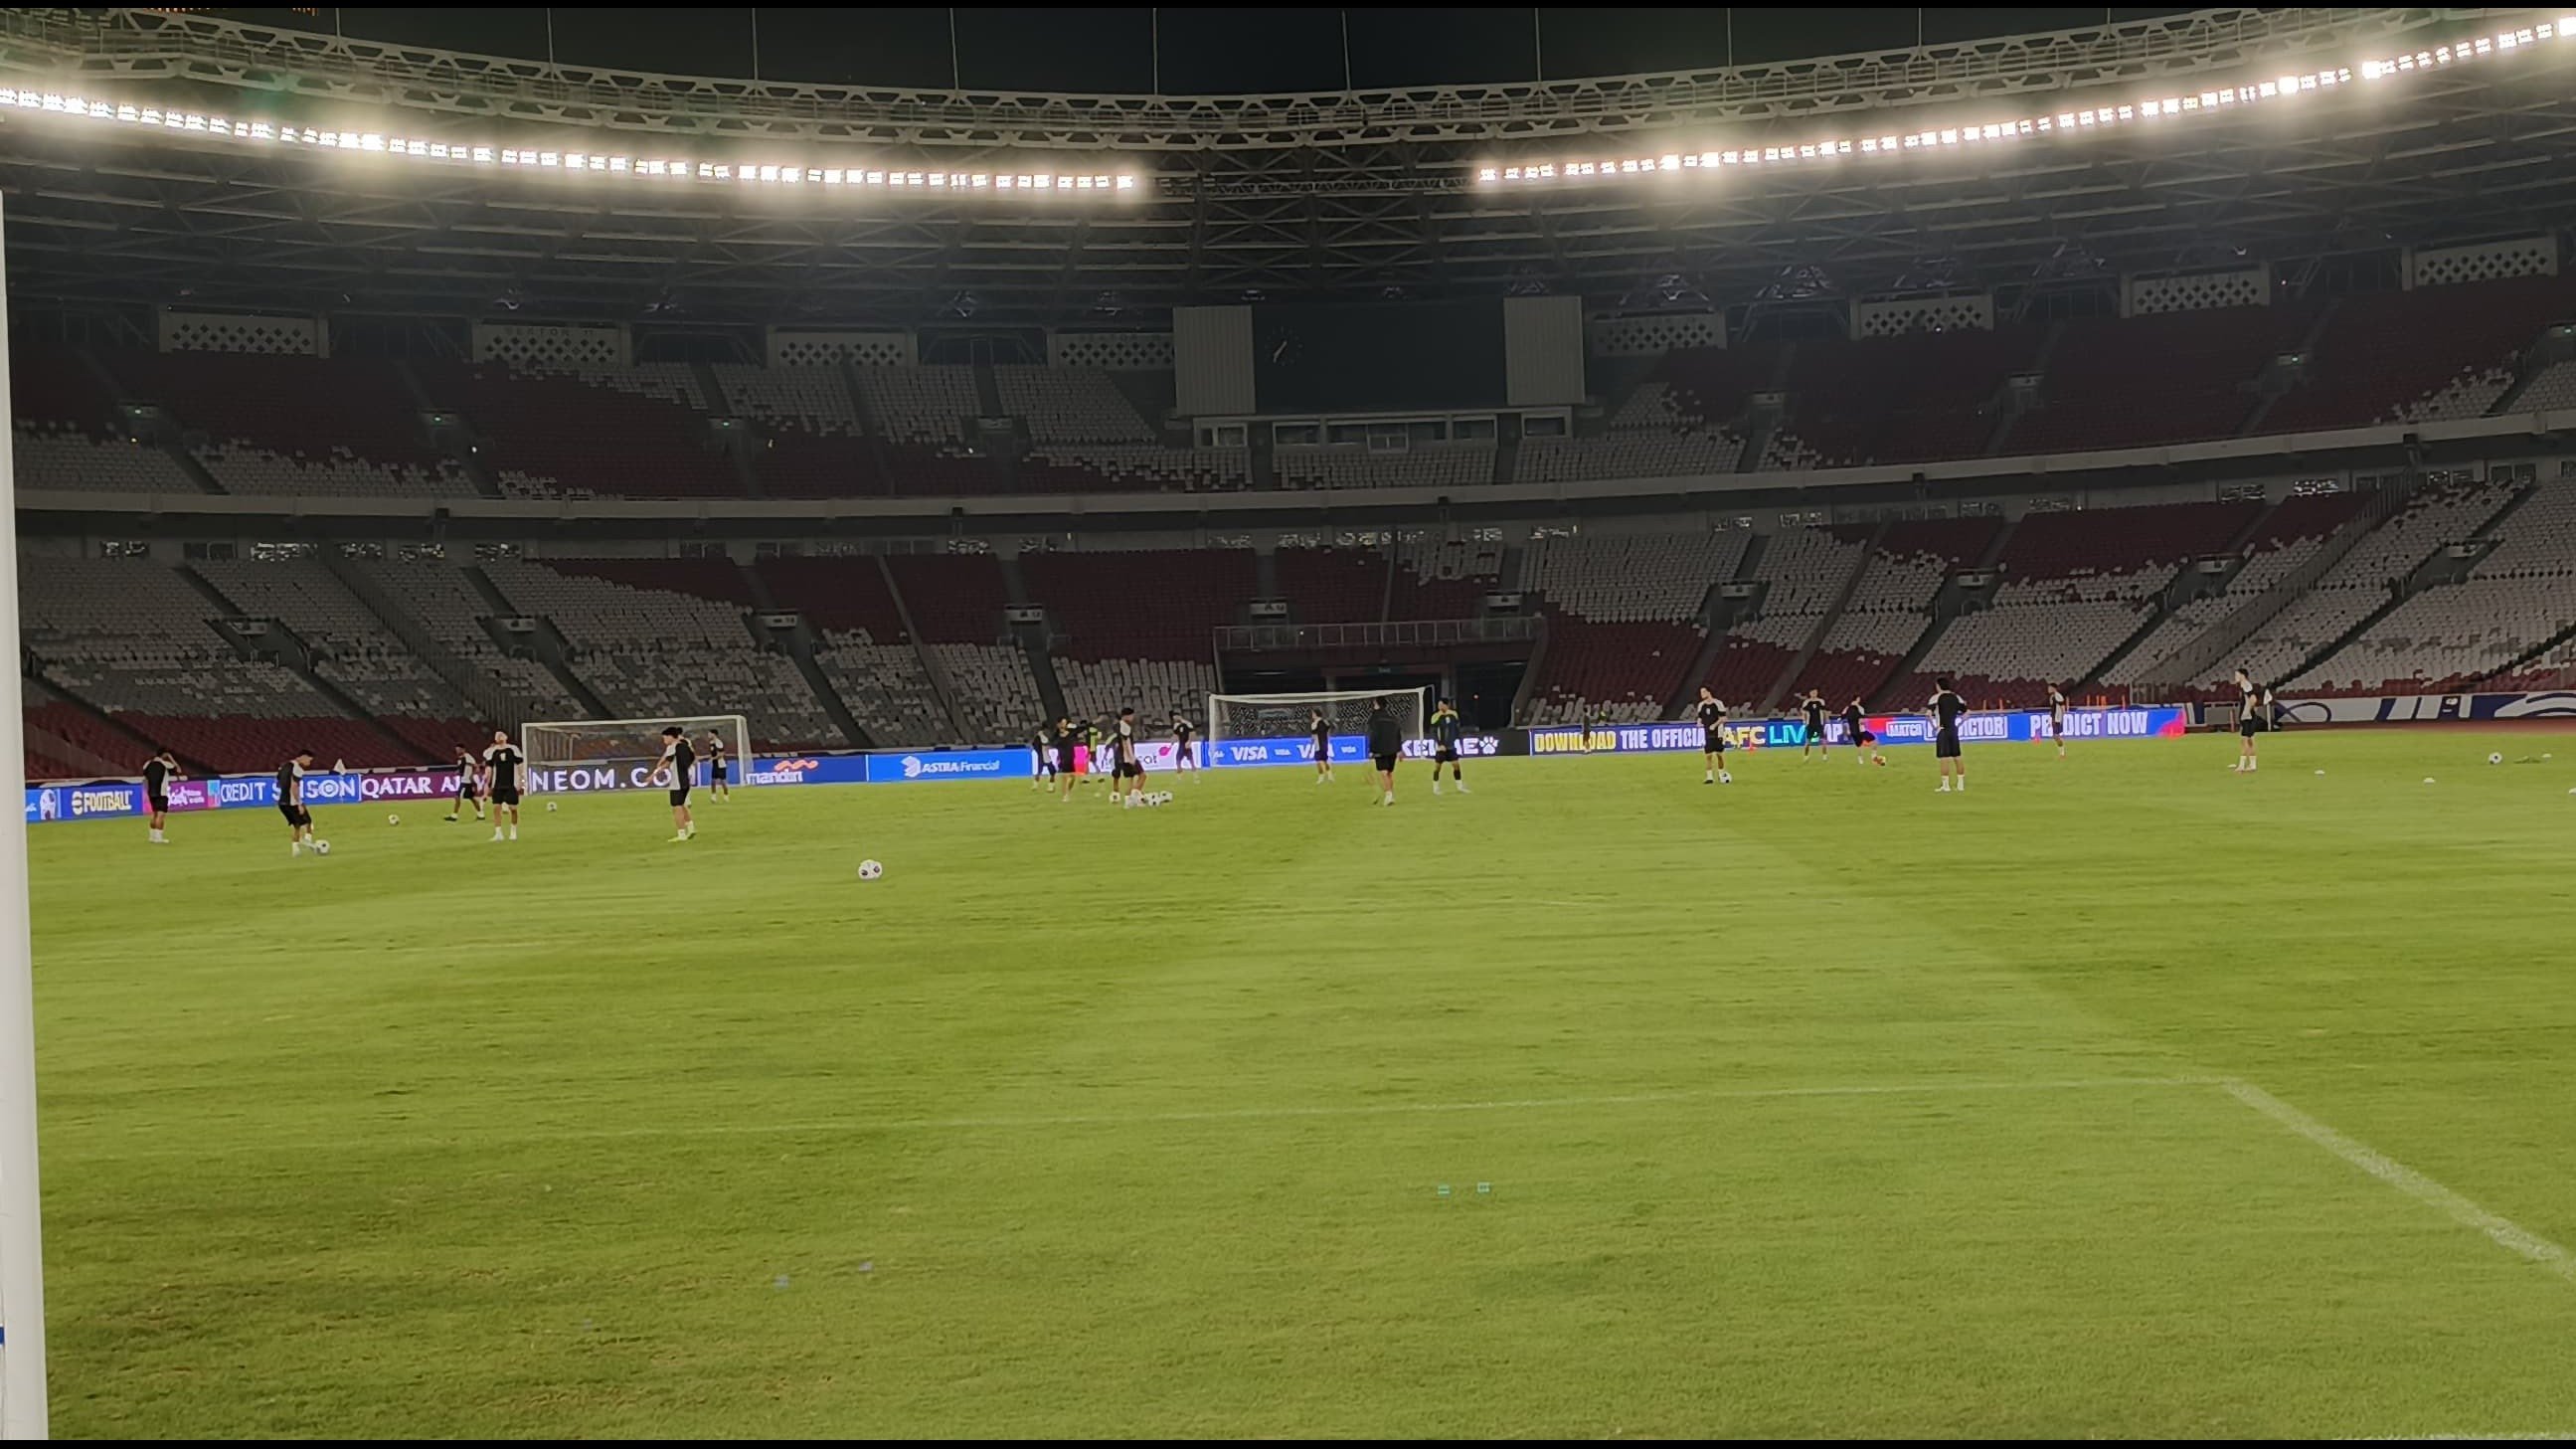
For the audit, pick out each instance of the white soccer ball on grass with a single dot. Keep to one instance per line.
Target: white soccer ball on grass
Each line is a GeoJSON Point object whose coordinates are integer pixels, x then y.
{"type": "Point", "coordinates": [871, 869]}
{"type": "Point", "coordinates": [550, 807]}
{"type": "Point", "coordinates": [2496, 759]}
{"type": "Point", "coordinates": [393, 820]}
{"type": "Point", "coordinates": [321, 847]}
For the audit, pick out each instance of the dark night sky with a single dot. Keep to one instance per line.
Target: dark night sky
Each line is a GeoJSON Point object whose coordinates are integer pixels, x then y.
{"type": "Point", "coordinates": [1202, 51]}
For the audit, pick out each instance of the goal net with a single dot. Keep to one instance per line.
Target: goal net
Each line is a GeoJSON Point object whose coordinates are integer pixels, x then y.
{"type": "Point", "coordinates": [622, 754]}
{"type": "Point", "coordinates": [1290, 716]}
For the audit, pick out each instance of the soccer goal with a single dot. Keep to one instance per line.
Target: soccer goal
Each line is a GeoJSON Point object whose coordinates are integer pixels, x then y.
{"type": "Point", "coordinates": [619, 754]}
{"type": "Point", "coordinates": [1289, 716]}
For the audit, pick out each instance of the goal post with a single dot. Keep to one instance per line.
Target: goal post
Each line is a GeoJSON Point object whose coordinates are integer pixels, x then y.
{"type": "Point", "coordinates": [1290, 716]}
{"type": "Point", "coordinates": [593, 754]}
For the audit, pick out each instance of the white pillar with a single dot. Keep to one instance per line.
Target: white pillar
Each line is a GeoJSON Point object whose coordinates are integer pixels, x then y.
{"type": "Point", "coordinates": [22, 1261]}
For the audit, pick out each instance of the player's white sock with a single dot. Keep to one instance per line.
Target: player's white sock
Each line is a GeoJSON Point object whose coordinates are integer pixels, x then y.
{"type": "Point", "coordinates": [1462, 787]}
{"type": "Point", "coordinates": [1435, 787]}
{"type": "Point", "coordinates": [1944, 789]}
{"type": "Point", "coordinates": [496, 832]}
{"type": "Point", "coordinates": [514, 832]}
{"type": "Point", "coordinates": [1390, 797]}
{"type": "Point", "coordinates": [294, 848]}
{"type": "Point", "coordinates": [1708, 779]}
{"type": "Point", "coordinates": [1963, 784]}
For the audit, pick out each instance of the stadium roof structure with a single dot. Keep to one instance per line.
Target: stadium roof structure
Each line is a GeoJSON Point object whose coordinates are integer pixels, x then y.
{"type": "Point", "coordinates": [154, 158]}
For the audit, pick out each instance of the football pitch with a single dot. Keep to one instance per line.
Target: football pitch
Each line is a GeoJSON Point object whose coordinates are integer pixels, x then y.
{"type": "Point", "coordinates": [2119, 1095]}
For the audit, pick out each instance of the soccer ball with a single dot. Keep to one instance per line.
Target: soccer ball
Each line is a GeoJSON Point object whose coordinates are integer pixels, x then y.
{"type": "Point", "coordinates": [2495, 759]}
{"type": "Point", "coordinates": [550, 807]}
{"type": "Point", "coordinates": [871, 869]}
{"type": "Point", "coordinates": [321, 847]}
{"type": "Point", "coordinates": [393, 820]}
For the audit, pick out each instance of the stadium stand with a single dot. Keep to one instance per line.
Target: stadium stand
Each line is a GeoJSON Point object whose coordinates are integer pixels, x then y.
{"type": "Point", "coordinates": [2292, 533]}
{"type": "Point", "coordinates": [2363, 581]}
{"type": "Point", "coordinates": [1443, 579]}
{"type": "Point", "coordinates": [1919, 397]}
{"type": "Point", "coordinates": [1350, 465]}
{"type": "Point", "coordinates": [1890, 604]}
{"type": "Point", "coordinates": [2168, 378]}
{"type": "Point", "coordinates": [1623, 617]}
{"type": "Point", "coordinates": [50, 715]}
{"type": "Point", "coordinates": [668, 637]}
{"type": "Point", "coordinates": [132, 639]}
{"type": "Point", "coordinates": [293, 426]}
{"type": "Point", "coordinates": [918, 404]}
{"type": "Point", "coordinates": [1069, 405]}
{"type": "Point", "coordinates": [599, 433]}
{"type": "Point", "coordinates": [860, 646]}
{"type": "Point", "coordinates": [1803, 571]}
{"type": "Point", "coordinates": [1676, 423]}
{"type": "Point", "coordinates": [1140, 605]}
{"type": "Point", "coordinates": [78, 462]}
{"type": "Point", "coordinates": [1135, 467]}
{"type": "Point", "coordinates": [1333, 585]}
{"type": "Point", "coordinates": [811, 443]}
{"type": "Point", "coordinates": [956, 603]}
{"type": "Point", "coordinates": [2553, 387]}
{"type": "Point", "coordinates": [2449, 636]}
{"type": "Point", "coordinates": [350, 647]}
{"type": "Point", "coordinates": [64, 430]}
{"type": "Point", "coordinates": [1138, 628]}
{"type": "Point", "coordinates": [2461, 343]}
{"type": "Point", "coordinates": [2075, 586]}
{"type": "Point", "coordinates": [444, 603]}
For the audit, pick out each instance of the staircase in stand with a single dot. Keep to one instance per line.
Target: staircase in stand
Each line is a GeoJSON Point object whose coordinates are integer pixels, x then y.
{"type": "Point", "coordinates": [1825, 622]}
{"type": "Point", "coordinates": [798, 645]}
{"type": "Point", "coordinates": [931, 668]}
{"type": "Point", "coordinates": [545, 643]}
{"type": "Point", "coordinates": [291, 652]}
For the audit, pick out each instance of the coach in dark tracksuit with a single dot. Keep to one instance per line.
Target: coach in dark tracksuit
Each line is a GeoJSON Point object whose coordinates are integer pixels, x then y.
{"type": "Point", "coordinates": [1385, 742]}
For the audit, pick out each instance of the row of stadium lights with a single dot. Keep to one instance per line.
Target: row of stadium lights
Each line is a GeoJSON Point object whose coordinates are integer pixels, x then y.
{"type": "Point", "coordinates": [598, 163]}
{"type": "Point", "coordinates": [2095, 119]}
{"type": "Point", "coordinates": [1056, 183]}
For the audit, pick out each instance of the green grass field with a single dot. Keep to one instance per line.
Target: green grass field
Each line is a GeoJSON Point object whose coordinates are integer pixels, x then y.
{"type": "Point", "coordinates": [1820, 1104]}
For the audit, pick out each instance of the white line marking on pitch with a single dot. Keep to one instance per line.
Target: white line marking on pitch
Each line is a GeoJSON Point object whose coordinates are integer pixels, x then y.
{"type": "Point", "coordinates": [1393, 1109]}
{"type": "Point", "coordinates": [1241, 1114]}
{"type": "Point", "coordinates": [2505, 1233]}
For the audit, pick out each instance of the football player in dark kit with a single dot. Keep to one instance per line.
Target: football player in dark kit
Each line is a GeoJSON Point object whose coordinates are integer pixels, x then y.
{"type": "Point", "coordinates": [1711, 712]}
{"type": "Point", "coordinates": [469, 789]}
{"type": "Point", "coordinates": [1321, 731]}
{"type": "Point", "coordinates": [1068, 742]}
{"type": "Point", "coordinates": [1813, 707]}
{"type": "Point", "coordinates": [719, 776]}
{"type": "Point", "coordinates": [1863, 743]}
{"type": "Point", "coordinates": [1042, 755]}
{"type": "Point", "coordinates": [2056, 720]}
{"type": "Point", "coordinates": [1127, 778]}
{"type": "Point", "coordinates": [1182, 760]}
{"type": "Point", "coordinates": [157, 775]}
{"type": "Point", "coordinates": [1446, 729]}
{"type": "Point", "coordinates": [679, 761]}
{"type": "Point", "coordinates": [1385, 742]}
{"type": "Point", "coordinates": [505, 771]}
{"type": "Point", "coordinates": [2253, 708]}
{"type": "Point", "coordinates": [1947, 710]}
{"type": "Point", "coordinates": [290, 803]}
